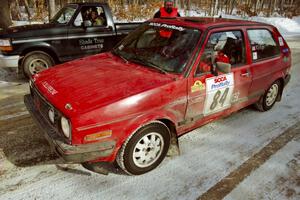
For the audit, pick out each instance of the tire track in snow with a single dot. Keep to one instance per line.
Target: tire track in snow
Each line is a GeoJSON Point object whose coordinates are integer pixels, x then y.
{"type": "Point", "coordinates": [228, 183]}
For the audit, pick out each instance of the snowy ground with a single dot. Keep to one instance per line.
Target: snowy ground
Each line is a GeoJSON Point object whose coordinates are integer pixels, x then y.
{"type": "Point", "coordinates": [210, 155]}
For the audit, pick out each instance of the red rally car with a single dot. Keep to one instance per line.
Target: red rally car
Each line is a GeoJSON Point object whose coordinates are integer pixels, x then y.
{"type": "Point", "coordinates": [167, 77]}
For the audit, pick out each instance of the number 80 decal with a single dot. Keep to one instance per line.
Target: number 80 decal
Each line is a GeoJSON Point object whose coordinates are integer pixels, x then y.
{"type": "Point", "coordinates": [218, 93]}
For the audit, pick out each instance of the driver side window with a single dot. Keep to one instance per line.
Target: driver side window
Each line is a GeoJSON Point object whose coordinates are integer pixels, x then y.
{"type": "Point", "coordinates": [225, 47]}
{"type": "Point", "coordinates": [90, 16]}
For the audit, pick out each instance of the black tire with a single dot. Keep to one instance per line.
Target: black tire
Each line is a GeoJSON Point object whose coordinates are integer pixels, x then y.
{"type": "Point", "coordinates": [267, 101]}
{"type": "Point", "coordinates": [39, 57]}
{"type": "Point", "coordinates": [127, 159]}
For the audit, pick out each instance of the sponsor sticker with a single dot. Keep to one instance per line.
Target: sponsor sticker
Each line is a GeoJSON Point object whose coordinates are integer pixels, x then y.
{"type": "Point", "coordinates": [198, 86]}
{"type": "Point", "coordinates": [49, 88]}
{"type": "Point", "coordinates": [219, 91]}
{"type": "Point", "coordinates": [168, 26]}
{"type": "Point", "coordinates": [254, 55]}
{"type": "Point", "coordinates": [235, 97]}
{"type": "Point", "coordinates": [280, 40]}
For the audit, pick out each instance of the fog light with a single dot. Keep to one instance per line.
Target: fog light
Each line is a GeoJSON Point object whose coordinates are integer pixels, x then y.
{"type": "Point", "coordinates": [51, 115]}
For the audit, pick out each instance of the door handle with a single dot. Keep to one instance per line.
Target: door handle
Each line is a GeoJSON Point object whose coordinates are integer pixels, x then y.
{"type": "Point", "coordinates": [247, 74]}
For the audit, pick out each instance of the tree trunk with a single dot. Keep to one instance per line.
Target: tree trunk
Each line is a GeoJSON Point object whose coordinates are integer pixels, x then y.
{"type": "Point", "coordinates": [5, 19]}
{"type": "Point", "coordinates": [232, 6]}
{"type": "Point", "coordinates": [27, 10]}
{"type": "Point", "coordinates": [51, 7]}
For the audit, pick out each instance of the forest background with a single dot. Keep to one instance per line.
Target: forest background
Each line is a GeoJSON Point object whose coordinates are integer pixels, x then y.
{"type": "Point", "coordinates": [136, 10]}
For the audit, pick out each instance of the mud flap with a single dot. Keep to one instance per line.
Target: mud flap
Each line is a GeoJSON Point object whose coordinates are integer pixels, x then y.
{"type": "Point", "coordinates": [96, 167]}
{"type": "Point", "coordinates": [174, 148]}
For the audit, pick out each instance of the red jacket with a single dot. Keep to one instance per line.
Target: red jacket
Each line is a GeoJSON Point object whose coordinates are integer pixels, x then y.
{"type": "Point", "coordinates": [221, 57]}
{"type": "Point", "coordinates": [163, 12]}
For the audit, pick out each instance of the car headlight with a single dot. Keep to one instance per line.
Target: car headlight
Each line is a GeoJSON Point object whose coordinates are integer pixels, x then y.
{"type": "Point", "coordinates": [65, 126]}
{"type": "Point", "coordinates": [5, 42]}
{"type": "Point", "coordinates": [51, 115]}
{"type": "Point", "coordinates": [5, 45]}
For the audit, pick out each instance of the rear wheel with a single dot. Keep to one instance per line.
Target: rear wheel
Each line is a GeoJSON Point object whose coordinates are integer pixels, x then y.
{"type": "Point", "coordinates": [270, 97]}
{"type": "Point", "coordinates": [35, 62]}
{"type": "Point", "coordinates": [145, 149]}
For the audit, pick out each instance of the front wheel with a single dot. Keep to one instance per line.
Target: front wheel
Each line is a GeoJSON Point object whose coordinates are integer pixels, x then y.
{"type": "Point", "coordinates": [35, 62]}
{"type": "Point", "coordinates": [270, 97]}
{"type": "Point", "coordinates": [145, 149]}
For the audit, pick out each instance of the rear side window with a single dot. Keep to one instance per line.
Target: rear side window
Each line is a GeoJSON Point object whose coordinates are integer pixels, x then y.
{"type": "Point", "coordinates": [262, 44]}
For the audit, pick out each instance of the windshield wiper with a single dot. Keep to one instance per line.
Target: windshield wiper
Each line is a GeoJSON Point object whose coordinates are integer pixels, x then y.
{"type": "Point", "coordinates": [114, 51]}
{"type": "Point", "coordinates": [148, 64]}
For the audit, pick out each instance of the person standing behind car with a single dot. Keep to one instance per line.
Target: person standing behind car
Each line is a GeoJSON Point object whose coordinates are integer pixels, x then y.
{"type": "Point", "coordinates": [167, 11]}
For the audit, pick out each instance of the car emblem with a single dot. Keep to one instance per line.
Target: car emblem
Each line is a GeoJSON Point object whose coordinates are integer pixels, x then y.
{"type": "Point", "coordinates": [68, 106]}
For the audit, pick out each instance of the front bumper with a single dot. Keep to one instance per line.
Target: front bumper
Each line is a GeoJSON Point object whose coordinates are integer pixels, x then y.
{"type": "Point", "coordinates": [70, 153]}
{"type": "Point", "coordinates": [9, 61]}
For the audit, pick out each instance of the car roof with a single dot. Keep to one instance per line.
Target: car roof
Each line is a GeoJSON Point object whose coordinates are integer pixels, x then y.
{"type": "Point", "coordinates": [208, 22]}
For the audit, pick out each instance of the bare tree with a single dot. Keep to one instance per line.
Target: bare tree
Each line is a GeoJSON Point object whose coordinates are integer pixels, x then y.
{"type": "Point", "coordinates": [5, 18]}
{"type": "Point", "coordinates": [51, 6]}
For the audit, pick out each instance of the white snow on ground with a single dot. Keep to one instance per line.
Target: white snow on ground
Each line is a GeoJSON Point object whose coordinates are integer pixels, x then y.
{"type": "Point", "coordinates": [208, 154]}
{"type": "Point", "coordinates": [276, 179]}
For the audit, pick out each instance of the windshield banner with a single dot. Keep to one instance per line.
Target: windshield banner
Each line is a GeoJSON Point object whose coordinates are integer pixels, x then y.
{"type": "Point", "coordinates": [179, 28]}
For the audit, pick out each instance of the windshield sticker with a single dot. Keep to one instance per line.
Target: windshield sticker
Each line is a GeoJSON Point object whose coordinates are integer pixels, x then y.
{"type": "Point", "coordinates": [198, 86]}
{"type": "Point", "coordinates": [280, 41]}
{"type": "Point", "coordinates": [254, 55]}
{"type": "Point", "coordinates": [179, 28]}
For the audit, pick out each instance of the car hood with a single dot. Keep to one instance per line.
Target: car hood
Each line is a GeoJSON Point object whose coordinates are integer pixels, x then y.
{"type": "Point", "coordinates": [28, 30]}
{"type": "Point", "coordinates": [96, 81]}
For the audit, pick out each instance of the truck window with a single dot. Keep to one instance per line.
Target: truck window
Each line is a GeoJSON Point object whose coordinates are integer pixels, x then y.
{"type": "Point", "coordinates": [93, 14]}
{"type": "Point", "coordinates": [225, 47]}
{"type": "Point", "coordinates": [64, 15]}
{"type": "Point", "coordinates": [262, 44]}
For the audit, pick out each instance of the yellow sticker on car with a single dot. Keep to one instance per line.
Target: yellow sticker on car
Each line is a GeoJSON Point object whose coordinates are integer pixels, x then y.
{"type": "Point", "coordinates": [198, 86]}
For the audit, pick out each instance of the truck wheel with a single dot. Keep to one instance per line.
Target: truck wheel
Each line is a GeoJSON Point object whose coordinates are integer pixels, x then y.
{"type": "Point", "coordinates": [145, 149]}
{"type": "Point", "coordinates": [35, 62]}
{"type": "Point", "coordinates": [270, 97]}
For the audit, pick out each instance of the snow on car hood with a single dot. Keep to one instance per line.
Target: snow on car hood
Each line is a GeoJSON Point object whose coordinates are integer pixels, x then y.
{"type": "Point", "coordinates": [96, 81]}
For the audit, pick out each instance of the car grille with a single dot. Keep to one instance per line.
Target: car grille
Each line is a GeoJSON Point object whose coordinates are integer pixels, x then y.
{"type": "Point", "coordinates": [43, 107]}
{"type": "Point", "coordinates": [40, 104]}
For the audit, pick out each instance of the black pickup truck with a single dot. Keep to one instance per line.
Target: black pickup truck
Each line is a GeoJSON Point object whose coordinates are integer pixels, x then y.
{"type": "Point", "coordinates": [77, 30]}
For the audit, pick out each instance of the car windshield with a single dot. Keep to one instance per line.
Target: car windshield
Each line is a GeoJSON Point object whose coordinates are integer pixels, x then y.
{"type": "Point", "coordinates": [164, 47]}
{"type": "Point", "coordinates": [64, 15]}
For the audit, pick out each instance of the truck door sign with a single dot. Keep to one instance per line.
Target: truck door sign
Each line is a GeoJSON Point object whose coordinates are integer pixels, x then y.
{"type": "Point", "coordinates": [91, 44]}
{"type": "Point", "coordinates": [218, 93]}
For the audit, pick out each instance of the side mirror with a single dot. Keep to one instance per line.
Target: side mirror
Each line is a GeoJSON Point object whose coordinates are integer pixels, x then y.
{"type": "Point", "coordinates": [223, 67]}
{"type": "Point", "coordinates": [87, 23]}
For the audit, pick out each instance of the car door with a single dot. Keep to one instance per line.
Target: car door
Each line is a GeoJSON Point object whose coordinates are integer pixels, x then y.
{"type": "Point", "coordinates": [266, 59]}
{"type": "Point", "coordinates": [211, 95]}
{"type": "Point", "coordinates": [89, 36]}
